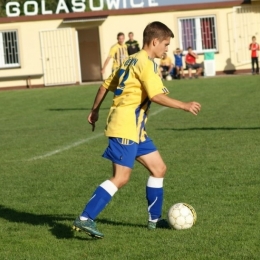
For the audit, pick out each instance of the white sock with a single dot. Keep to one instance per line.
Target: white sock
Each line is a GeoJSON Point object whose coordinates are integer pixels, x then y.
{"type": "Point", "coordinates": [83, 218]}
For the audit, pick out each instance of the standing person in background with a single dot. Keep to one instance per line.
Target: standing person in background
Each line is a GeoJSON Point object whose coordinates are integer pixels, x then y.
{"type": "Point", "coordinates": [254, 48]}
{"type": "Point", "coordinates": [118, 52]}
{"type": "Point", "coordinates": [178, 63]}
{"type": "Point", "coordinates": [191, 64]}
{"type": "Point", "coordinates": [132, 45]}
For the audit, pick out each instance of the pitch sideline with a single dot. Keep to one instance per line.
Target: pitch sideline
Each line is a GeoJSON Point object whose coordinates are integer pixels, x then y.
{"type": "Point", "coordinates": [65, 148]}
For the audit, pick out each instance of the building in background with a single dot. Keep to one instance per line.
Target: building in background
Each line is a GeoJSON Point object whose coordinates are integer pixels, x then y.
{"type": "Point", "coordinates": [70, 48]}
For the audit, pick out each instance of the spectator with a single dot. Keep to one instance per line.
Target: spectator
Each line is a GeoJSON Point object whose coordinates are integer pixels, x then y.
{"type": "Point", "coordinates": [118, 52]}
{"type": "Point", "coordinates": [166, 66]}
{"type": "Point", "coordinates": [191, 64]}
{"type": "Point", "coordinates": [254, 48]}
{"type": "Point", "coordinates": [132, 45]}
{"type": "Point", "coordinates": [178, 54]}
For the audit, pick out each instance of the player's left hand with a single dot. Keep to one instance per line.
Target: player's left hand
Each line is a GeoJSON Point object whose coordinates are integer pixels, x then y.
{"type": "Point", "coordinates": [193, 107]}
{"type": "Point", "coordinates": [93, 118]}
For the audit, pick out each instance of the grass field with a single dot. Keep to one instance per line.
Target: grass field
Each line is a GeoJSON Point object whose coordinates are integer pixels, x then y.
{"type": "Point", "coordinates": [51, 162]}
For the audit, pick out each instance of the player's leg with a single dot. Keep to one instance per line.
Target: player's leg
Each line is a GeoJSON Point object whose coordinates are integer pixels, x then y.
{"type": "Point", "coordinates": [100, 198]}
{"type": "Point", "coordinates": [154, 188]}
{"type": "Point", "coordinates": [151, 159]}
{"type": "Point", "coordinates": [122, 154]}
{"type": "Point", "coordinates": [105, 191]}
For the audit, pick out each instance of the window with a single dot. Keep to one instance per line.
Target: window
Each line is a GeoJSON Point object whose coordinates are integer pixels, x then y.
{"type": "Point", "coordinates": [199, 33]}
{"type": "Point", "coordinates": [9, 56]}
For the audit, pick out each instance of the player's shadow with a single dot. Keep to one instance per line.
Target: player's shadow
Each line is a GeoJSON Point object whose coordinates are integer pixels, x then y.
{"type": "Point", "coordinates": [58, 229]}
{"type": "Point", "coordinates": [210, 128]}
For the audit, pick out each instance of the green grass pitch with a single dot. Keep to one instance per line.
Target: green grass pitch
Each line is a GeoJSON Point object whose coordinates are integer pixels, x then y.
{"type": "Point", "coordinates": [51, 163]}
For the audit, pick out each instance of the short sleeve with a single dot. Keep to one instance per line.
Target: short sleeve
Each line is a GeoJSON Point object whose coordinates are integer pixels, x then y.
{"type": "Point", "coordinates": [112, 51]}
{"type": "Point", "coordinates": [151, 80]}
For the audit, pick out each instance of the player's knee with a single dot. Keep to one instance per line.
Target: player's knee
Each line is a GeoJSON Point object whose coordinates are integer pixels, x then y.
{"type": "Point", "coordinates": [161, 170]}
{"type": "Point", "coordinates": [121, 181]}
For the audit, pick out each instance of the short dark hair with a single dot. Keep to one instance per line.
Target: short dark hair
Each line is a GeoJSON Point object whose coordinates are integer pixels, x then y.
{"type": "Point", "coordinates": [189, 48]}
{"type": "Point", "coordinates": [156, 30]}
{"type": "Point", "coordinates": [120, 34]}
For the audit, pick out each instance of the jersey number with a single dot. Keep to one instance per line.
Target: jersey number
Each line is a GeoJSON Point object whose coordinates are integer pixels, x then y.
{"type": "Point", "coordinates": [123, 75]}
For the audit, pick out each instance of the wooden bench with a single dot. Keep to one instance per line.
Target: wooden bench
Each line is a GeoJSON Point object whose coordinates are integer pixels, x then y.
{"type": "Point", "coordinates": [27, 77]}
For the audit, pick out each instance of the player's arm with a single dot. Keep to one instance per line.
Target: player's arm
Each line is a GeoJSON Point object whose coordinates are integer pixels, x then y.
{"type": "Point", "coordinates": [105, 64]}
{"type": "Point", "coordinates": [100, 96]}
{"type": "Point", "coordinates": [162, 99]}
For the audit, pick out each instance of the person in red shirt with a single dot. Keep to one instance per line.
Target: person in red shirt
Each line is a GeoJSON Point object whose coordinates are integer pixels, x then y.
{"type": "Point", "coordinates": [191, 64]}
{"type": "Point", "coordinates": [254, 48]}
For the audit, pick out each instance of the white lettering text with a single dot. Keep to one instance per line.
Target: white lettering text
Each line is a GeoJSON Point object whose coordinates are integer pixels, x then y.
{"type": "Point", "coordinates": [78, 5]}
{"type": "Point", "coordinates": [132, 3]}
{"type": "Point", "coordinates": [62, 7]}
{"type": "Point", "coordinates": [32, 7]}
{"type": "Point", "coordinates": [12, 9]}
{"type": "Point", "coordinates": [44, 11]}
{"type": "Point", "coordinates": [113, 4]}
{"type": "Point", "coordinates": [35, 7]}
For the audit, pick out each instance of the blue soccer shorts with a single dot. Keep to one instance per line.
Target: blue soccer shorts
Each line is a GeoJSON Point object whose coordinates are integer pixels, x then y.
{"type": "Point", "coordinates": [124, 151]}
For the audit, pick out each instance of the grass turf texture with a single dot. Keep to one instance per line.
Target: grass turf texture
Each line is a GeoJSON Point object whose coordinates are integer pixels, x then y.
{"type": "Point", "coordinates": [212, 159]}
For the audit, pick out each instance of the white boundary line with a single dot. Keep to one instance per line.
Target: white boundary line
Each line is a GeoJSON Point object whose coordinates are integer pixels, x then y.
{"type": "Point", "coordinates": [65, 148]}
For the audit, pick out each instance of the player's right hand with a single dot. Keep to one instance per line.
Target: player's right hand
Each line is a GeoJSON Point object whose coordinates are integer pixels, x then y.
{"type": "Point", "coordinates": [193, 107]}
{"type": "Point", "coordinates": [93, 118]}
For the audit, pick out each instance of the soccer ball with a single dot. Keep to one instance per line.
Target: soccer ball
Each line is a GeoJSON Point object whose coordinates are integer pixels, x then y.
{"type": "Point", "coordinates": [168, 77]}
{"type": "Point", "coordinates": [182, 216]}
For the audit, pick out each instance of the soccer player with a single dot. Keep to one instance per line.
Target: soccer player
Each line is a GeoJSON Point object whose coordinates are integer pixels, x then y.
{"type": "Point", "coordinates": [118, 52]}
{"type": "Point", "coordinates": [132, 44]}
{"type": "Point", "coordinates": [254, 48]}
{"type": "Point", "coordinates": [191, 64]}
{"type": "Point", "coordinates": [135, 86]}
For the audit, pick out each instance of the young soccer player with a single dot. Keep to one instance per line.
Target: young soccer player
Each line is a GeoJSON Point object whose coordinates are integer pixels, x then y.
{"type": "Point", "coordinates": [135, 86]}
{"type": "Point", "coordinates": [118, 52]}
{"type": "Point", "coordinates": [254, 48]}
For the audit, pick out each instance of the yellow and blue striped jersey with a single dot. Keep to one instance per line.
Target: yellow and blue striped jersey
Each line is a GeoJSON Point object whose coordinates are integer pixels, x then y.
{"type": "Point", "coordinates": [134, 84]}
{"type": "Point", "coordinates": [118, 53]}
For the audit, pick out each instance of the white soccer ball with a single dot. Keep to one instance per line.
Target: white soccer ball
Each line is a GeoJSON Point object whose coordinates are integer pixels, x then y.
{"type": "Point", "coordinates": [168, 77]}
{"type": "Point", "coordinates": [182, 216]}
